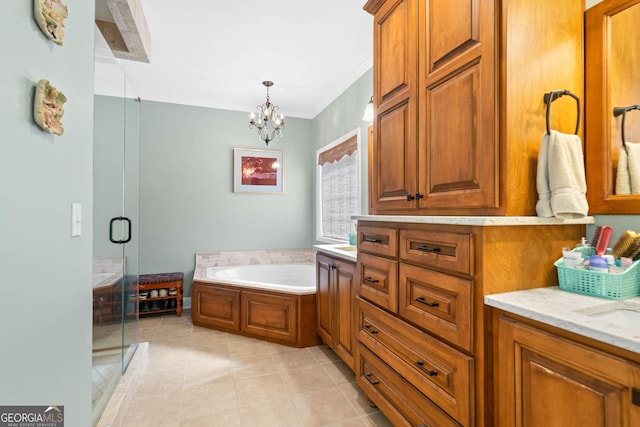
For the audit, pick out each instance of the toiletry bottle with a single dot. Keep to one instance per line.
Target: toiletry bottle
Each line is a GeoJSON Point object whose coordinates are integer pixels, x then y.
{"type": "Point", "coordinates": [353, 236]}
{"type": "Point", "coordinates": [585, 249]}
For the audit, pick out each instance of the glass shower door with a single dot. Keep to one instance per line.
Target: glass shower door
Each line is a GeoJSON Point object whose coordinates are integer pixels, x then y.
{"type": "Point", "coordinates": [115, 232]}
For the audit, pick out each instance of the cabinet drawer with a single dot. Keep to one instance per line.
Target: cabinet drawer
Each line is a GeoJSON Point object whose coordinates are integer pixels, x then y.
{"type": "Point", "coordinates": [402, 404]}
{"type": "Point", "coordinates": [438, 371]}
{"type": "Point", "coordinates": [378, 281]}
{"type": "Point", "coordinates": [444, 250]}
{"type": "Point", "coordinates": [378, 240]}
{"type": "Point", "coordinates": [437, 302]}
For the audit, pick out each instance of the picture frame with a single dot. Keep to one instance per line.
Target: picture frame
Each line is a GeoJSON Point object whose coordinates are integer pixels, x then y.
{"type": "Point", "coordinates": [257, 171]}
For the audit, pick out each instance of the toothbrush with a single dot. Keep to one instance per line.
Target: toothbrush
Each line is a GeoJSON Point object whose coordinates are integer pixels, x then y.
{"type": "Point", "coordinates": [603, 239]}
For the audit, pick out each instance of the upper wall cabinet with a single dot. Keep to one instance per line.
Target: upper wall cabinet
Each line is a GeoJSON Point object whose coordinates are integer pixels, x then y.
{"type": "Point", "coordinates": [612, 39]}
{"type": "Point", "coordinates": [458, 93]}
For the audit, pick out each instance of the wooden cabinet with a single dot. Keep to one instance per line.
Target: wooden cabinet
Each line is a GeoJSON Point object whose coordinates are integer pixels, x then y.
{"type": "Point", "coordinates": [393, 176]}
{"type": "Point", "coordinates": [552, 380]}
{"type": "Point", "coordinates": [335, 305]}
{"type": "Point", "coordinates": [288, 319]}
{"type": "Point", "coordinates": [421, 322]}
{"type": "Point", "coordinates": [109, 302]}
{"type": "Point", "coordinates": [215, 307]}
{"type": "Point", "coordinates": [440, 372]}
{"type": "Point", "coordinates": [458, 95]}
{"type": "Point", "coordinates": [401, 403]}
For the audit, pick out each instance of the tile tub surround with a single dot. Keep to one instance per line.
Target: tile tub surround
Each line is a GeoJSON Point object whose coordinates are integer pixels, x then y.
{"type": "Point", "coordinates": [110, 264]}
{"type": "Point", "coordinates": [275, 256]}
{"type": "Point", "coordinates": [568, 311]}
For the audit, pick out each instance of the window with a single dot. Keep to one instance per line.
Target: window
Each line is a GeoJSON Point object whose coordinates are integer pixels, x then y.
{"type": "Point", "coordinates": [338, 187]}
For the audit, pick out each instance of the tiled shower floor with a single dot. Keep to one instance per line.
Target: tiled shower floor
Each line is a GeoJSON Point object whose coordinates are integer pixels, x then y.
{"type": "Point", "coordinates": [200, 377]}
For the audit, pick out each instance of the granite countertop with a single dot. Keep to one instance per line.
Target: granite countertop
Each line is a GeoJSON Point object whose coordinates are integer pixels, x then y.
{"type": "Point", "coordinates": [486, 221]}
{"type": "Point", "coordinates": [610, 321]}
{"type": "Point", "coordinates": [343, 250]}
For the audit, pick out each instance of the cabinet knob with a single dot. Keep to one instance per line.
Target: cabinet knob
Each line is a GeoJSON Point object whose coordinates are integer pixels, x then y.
{"type": "Point", "coordinates": [410, 197]}
{"type": "Point", "coordinates": [419, 196]}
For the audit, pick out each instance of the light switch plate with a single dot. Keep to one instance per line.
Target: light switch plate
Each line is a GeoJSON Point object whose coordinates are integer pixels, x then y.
{"type": "Point", "coordinates": [76, 219]}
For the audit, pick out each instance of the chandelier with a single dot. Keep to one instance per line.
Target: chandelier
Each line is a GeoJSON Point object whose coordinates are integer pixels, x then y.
{"type": "Point", "coordinates": [267, 119]}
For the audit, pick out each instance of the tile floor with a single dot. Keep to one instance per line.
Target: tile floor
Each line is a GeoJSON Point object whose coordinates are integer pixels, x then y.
{"type": "Point", "coordinates": [196, 376]}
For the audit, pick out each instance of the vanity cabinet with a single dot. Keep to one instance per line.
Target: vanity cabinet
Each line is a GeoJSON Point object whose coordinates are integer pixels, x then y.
{"type": "Point", "coordinates": [335, 305]}
{"type": "Point", "coordinates": [421, 322]}
{"type": "Point", "coordinates": [549, 377]}
{"type": "Point", "coordinates": [458, 96]}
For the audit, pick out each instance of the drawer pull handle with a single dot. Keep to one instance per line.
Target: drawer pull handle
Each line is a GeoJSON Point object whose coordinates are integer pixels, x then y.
{"type": "Point", "coordinates": [431, 373]}
{"type": "Point", "coordinates": [368, 328]}
{"type": "Point", "coordinates": [425, 302]}
{"type": "Point", "coordinates": [369, 377]}
{"type": "Point", "coordinates": [371, 279]}
{"type": "Point", "coordinates": [371, 240]}
{"type": "Point", "coordinates": [429, 249]}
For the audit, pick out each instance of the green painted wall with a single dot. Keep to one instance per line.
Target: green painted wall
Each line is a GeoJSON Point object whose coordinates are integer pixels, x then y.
{"type": "Point", "coordinates": [340, 117]}
{"type": "Point", "coordinates": [46, 274]}
{"type": "Point", "coordinates": [187, 203]}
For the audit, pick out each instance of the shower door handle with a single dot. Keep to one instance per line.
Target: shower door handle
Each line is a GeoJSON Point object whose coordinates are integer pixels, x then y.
{"type": "Point", "coordinates": [120, 218]}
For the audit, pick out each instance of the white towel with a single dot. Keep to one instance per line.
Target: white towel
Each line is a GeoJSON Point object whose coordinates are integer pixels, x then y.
{"type": "Point", "coordinates": [543, 207]}
{"type": "Point", "coordinates": [561, 180]}
{"type": "Point", "coordinates": [633, 161]}
{"type": "Point", "coordinates": [623, 180]}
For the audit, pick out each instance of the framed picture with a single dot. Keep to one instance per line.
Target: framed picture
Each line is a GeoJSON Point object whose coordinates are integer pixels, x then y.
{"type": "Point", "coordinates": [257, 171]}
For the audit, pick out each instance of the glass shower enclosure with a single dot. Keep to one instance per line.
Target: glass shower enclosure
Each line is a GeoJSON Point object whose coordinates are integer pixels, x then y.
{"type": "Point", "coordinates": [115, 227]}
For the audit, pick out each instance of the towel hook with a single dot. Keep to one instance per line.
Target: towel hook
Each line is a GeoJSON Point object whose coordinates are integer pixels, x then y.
{"type": "Point", "coordinates": [555, 94]}
{"type": "Point", "coordinates": [617, 111]}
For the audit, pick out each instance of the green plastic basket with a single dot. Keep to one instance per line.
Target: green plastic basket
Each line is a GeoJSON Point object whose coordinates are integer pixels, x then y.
{"type": "Point", "coordinates": [604, 285]}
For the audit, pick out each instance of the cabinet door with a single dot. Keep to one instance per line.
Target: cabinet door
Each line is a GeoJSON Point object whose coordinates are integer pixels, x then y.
{"type": "Point", "coordinates": [269, 316]}
{"type": "Point", "coordinates": [324, 266]}
{"type": "Point", "coordinates": [458, 158]}
{"type": "Point", "coordinates": [547, 380]}
{"type": "Point", "coordinates": [215, 307]}
{"type": "Point", "coordinates": [394, 154]}
{"type": "Point", "coordinates": [344, 337]}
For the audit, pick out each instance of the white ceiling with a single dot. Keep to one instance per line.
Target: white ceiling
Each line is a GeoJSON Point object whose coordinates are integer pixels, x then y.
{"type": "Point", "coordinates": [215, 54]}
